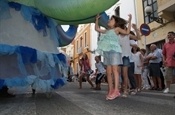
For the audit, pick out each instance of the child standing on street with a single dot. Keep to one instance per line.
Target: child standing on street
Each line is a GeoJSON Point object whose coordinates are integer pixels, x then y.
{"type": "Point", "coordinates": [100, 72]}
{"type": "Point", "coordinates": [85, 70]}
{"type": "Point", "coordinates": [138, 65]}
{"type": "Point", "coordinates": [109, 48]}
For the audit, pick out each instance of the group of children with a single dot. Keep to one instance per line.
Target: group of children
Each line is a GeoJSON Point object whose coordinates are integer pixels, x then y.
{"type": "Point", "coordinates": [115, 46]}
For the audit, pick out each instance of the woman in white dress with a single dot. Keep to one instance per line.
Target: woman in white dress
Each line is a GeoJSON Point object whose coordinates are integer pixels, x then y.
{"type": "Point", "coordinates": [138, 61]}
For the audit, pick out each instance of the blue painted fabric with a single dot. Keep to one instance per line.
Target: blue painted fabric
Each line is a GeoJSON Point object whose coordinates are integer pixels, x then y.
{"type": "Point", "coordinates": [34, 16]}
{"type": "Point", "coordinates": [53, 64]}
{"type": "Point", "coordinates": [28, 55]}
{"type": "Point", "coordinates": [27, 12]}
{"type": "Point", "coordinates": [1, 83]}
{"type": "Point", "coordinates": [14, 5]}
{"type": "Point", "coordinates": [58, 83]}
{"type": "Point", "coordinates": [11, 82]}
{"type": "Point", "coordinates": [7, 49]}
{"type": "Point", "coordinates": [40, 22]}
{"type": "Point", "coordinates": [62, 57]}
{"type": "Point", "coordinates": [4, 10]}
{"type": "Point", "coordinates": [53, 31]}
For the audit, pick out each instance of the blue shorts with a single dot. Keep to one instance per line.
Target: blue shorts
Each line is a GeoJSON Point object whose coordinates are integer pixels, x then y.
{"type": "Point", "coordinates": [126, 61]}
{"type": "Point", "coordinates": [112, 58]}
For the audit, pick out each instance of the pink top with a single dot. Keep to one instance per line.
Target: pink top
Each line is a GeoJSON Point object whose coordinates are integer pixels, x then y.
{"type": "Point", "coordinates": [86, 65]}
{"type": "Point", "coordinates": [168, 52]}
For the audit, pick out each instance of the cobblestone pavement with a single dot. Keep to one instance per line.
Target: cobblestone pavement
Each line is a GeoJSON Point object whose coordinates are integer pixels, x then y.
{"type": "Point", "coordinates": [70, 100]}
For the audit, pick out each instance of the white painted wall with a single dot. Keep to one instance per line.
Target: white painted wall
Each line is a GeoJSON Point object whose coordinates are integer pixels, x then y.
{"type": "Point", "coordinates": [93, 46]}
{"type": "Point", "coordinates": [126, 7]}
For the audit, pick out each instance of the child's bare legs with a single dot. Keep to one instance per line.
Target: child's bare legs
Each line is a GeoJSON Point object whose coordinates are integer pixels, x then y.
{"type": "Point", "coordinates": [120, 75]}
{"type": "Point", "coordinates": [136, 78]}
{"type": "Point", "coordinates": [116, 77]}
{"type": "Point", "coordinates": [138, 81]}
{"type": "Point", "coordinates": [89, 81]}
{"type": "Point", "coordinates": [159, 83]}
{"type": "Point", "coordinates": [109, 78]}
{"type": "Point", "coordinates": [125, 78]}
{"type": "Point", "coordinates": [114, 93]}
{"type": "Point", "coordinates": [98, 86]}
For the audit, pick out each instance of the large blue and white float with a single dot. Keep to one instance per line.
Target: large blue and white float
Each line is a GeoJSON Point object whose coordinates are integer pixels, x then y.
{"type": "Point", "coordinates": [30, 32]}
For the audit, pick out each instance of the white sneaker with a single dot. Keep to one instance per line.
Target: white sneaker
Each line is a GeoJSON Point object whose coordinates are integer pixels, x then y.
{"type": "Point", "coordinates": [166, 90]}
{"type": "Point", "coordinates": [133, 93]}
{"type": "Point", "coordinates": [147, 87]}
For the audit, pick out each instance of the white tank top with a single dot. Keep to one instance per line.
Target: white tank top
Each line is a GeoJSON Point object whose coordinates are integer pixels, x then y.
{"type": "Point", "coordinates": [125, 45]}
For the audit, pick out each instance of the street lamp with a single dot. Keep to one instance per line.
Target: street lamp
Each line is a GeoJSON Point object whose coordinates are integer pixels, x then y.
{"type": "Point", "coordinates": [148, 10]}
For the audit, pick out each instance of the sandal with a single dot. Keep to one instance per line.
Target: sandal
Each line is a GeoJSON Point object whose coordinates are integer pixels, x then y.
{"type": "Point", "coordinates": [113, 96]}
{"type": "Point", "coordinates": [125, 94]}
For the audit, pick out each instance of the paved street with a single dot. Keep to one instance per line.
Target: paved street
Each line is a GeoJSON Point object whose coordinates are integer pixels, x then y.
{"type": "Point", "coordinates": [70, 100]}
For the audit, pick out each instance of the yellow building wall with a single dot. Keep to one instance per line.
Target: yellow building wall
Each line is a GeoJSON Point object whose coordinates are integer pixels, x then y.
{"type": "Point", "coordinates": [162, 2]}
{"type": "Point", "coordinates": [158, 31]}
{"type": "Point", "coordinates": [165, 2]}
{"type": "Point", "coordinates": [81, 35]}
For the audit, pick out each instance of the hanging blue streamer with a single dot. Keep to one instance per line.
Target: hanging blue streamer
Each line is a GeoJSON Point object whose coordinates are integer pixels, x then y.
{"type": "Point", "coordinates": [28, 55]}
{"type": "Point", "coordinates": [11, 82]}
{"type": "Point", "coordinates": [58, 83]}
{"type": "Point", "coordinates": [62, 58]}
{"type": "Point", "coordinates": [7, 49]}
{"type": "Point", "coordinates": [40, 22]}
{"type": "Point", "coordinates": [14, 5]}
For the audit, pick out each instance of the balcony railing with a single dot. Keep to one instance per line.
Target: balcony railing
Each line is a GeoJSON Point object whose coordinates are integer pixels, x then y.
{"type": "Point", "coordinates": [166, 9]}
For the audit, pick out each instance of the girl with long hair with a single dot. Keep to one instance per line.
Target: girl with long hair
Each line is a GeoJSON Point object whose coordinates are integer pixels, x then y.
{"type": "Point", "coordinates": [109, 48]}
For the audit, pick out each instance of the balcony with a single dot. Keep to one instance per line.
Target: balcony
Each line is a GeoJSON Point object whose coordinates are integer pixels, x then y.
{"type": "Point", "coordinates": [80, 50]}
{"type": "Point", "coordinates": [166, 9]}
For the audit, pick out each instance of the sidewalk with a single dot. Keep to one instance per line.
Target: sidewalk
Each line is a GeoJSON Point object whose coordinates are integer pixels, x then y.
{"type": "Point", "coordinates": [154, 92]}
{"type": "Point", "coordinates": [172, 88]}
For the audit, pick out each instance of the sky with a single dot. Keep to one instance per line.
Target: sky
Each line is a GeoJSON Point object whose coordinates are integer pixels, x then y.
{"type": "Point", "coordinates": [65, 27]}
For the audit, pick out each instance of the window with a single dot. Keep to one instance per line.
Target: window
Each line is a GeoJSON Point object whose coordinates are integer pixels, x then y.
{"type": "Point", "coordinates": [85, 39]}
{"type": "Point", "coordinates": [117, 11]}
{"type": "Point", "coordinates": [153, 4]}
{"type": "Point", "coordinates": [81, 42]}
{"type": "Point", "coordinates": [77, 46]}
{"type": "Point", "coordinates": [77, 67]}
